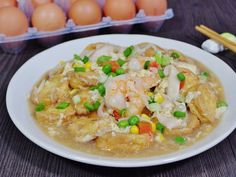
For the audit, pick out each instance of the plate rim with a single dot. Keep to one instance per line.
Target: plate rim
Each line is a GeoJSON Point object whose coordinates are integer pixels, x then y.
{"type": "Point", "coordinates": [103, 161]}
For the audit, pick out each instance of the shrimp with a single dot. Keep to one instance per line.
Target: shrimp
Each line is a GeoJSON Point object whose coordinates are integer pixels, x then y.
{"type": "Point", "coordinates": [149, 78]}
{"type": "Point", "coordinates": [123, 92]}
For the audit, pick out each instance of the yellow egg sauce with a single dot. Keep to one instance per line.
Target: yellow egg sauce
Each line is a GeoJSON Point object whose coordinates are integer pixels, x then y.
{"type": "Point", "coordinates": [72, 117]}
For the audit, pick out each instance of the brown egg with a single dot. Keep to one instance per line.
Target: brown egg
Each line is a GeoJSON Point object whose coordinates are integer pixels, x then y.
{"type": "Point", "coordinates": [152, 7]}
{"type": "Point", "coordinates": [36, 3]}
{"type": "Point", "coordinates": [120, 10]}
{"type": "Point", "coordinates": [13, 21]}
{"type": "Point", "coordinates": [48, 17]}
{"type": "Point", "coordinates": [6, 3]}
{"type": "Point", "coordinates": [85, 12]}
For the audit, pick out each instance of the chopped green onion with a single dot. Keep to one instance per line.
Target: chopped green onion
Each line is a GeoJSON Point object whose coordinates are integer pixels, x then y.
{"type": "Point", "coordinates": [161, 73]}
{"type": "Point", "coordinates": [221, 104]}
{"type": "Point", "coordinates": [101, 89]}
{"type": "Point", "coordinates": [179, 114]}
{"type": "Point", "coordinates": [151, 100]}
{"type": "Point", "coordinates": [103, 59]}
{"type": "Point", "coordinates": [133, 120]}
{"type": "Point", "coordinates": [96, 105]}
{"type": "Point", "coordinates": [120, 71]}
{"type": "Point", "coordinates": [160, 127]}
{"type": "Point", "coordinates": [128, 51]}
{"type": "Point", "coordinates": [40, 107]}
{"type": "Point", "coordinates": [162, 59]}
{"type": "Point", "coordinates": [123, 112]}
{"type": "Point", "coordinates": [158, 58]}
{"type": "Point", "coordinates": [121, 62]}
{"type": "Point", "coordinates": [165, 60]}
{"type": "Point", "coordinates": [146, 64]}
{"type": "Point", "coordinates": [181, 76]}
{"type": "Point", "coordinates": [77, 57]}
{"type": "Point", "coordinates": [180, 139]}
{"type": "Point", "coordinates": [85, 59]}
{"type": "Point", "coordinates": [107, 68]}
{"type": "Point", "coordinates": [92, 107]}
{"type": "Point", "coordinates": [112, 74]}
{"type": "Point", "coordinates": [206, 74]}
{"type": "Point", "coordinates": [62, 105]}
{"type": "Point", "coordinates": [79, 69]}
{"type": "Point", "coordinates": [175, 55]}
{"type": "Point", "coordinates": [123, 124]}
{"type": "Point", "coordinates": [88, 106]}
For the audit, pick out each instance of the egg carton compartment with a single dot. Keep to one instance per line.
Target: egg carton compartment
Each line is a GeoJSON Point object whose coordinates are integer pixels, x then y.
{"type": "Point", "coordinates": [17, 43]}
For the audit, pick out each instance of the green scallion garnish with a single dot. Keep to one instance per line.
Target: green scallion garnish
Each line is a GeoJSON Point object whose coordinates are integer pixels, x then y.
{"type": "Point", "coordinates": [62, 105]}
{"type": "Point", "coordinates": [146, 64]}
{"type": "Point", "coordinates": [160, 127]}
{"type": "Point", "coordinates": [79, 69]}
{"type": "Point", "coordinates": [121, 62]}
{"type": "Point", "coordinates": [161, 73]}
{"type": "Point", "coordinates": [180, 139]}
{"type": "Point", "coordinates": [120, 71]}
{"type": "Point", "coordinates": [128, 51]}
{"type": "Point", "coordinates": [221, 104]}
{"type": "Point", "coordinates": [107, 68]}
{"type": "Point", "coordinates": [40, 107]}
{"type": "Point", "coordinates": [179, 114]}
{"type": "Point", "coordinates": [103, 59]}
{"type": "Point", "coordinates": [181, 76]}
{"type": "Point", "coordinates": [84, 60]}
{"type": "Point", "coordinates": [175, 55]}
{"type": "Point", "coordinates": [206, 74]}
{"type": "Point", "coordinates": [101, 89]}
{"type": "Point", "coordinates": [122, 112]}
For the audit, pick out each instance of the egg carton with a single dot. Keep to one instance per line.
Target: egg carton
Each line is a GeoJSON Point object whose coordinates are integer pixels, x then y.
{"type": "Point", "coordinates": [17, 43]}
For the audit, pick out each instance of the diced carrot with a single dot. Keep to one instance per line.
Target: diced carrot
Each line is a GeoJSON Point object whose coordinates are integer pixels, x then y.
{"type": "Point", "coordinates": [181, 85]}
{"type": "Point", "coordinates": [114, 65]}
{"type": "Point", "coordinates": [154, 64]}
{"type": "Point", "coordinates": [145, 127]}
{"type": "Point", "coordinates": [116, 115]}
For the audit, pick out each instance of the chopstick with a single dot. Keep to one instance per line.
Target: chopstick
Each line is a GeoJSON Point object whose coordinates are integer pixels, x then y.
{"type": "Point", "coordinates": [217, 37]}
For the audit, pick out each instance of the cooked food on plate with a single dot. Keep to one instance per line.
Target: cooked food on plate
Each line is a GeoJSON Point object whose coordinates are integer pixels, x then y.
{"type": "Point", "coordinates": [132, 101]}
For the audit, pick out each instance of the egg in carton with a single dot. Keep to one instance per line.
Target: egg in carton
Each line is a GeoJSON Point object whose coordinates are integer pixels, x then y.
{"type": "Point", "coordinates": [15, 44]}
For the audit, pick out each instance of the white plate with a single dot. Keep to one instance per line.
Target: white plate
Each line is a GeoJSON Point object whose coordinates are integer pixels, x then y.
{"type": "Point", "coordinates": [24, 79]}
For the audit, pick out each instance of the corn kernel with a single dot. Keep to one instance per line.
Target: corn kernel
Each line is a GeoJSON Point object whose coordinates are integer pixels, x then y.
{"type": "Point", "coordinates": [162, 138]}
{"type": "Point", "coordinates": [159, 98]}
{"type": "Point", "coordinates": [88, 65]}
{"type": "Point", "coordinates": [150, 94]}
{"type": "Point", "coordinates": [153, 127]}
{"type": "Point", "coordinates": [134, 129]}
{"type": "Point", "coordinates": [145, 116]}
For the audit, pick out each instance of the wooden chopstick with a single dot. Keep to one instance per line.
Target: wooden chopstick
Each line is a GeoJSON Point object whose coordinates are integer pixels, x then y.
{"type": "Point", "coordinates": [217, 37]}
{"type": "Point", "coordinates": [217, 34]}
